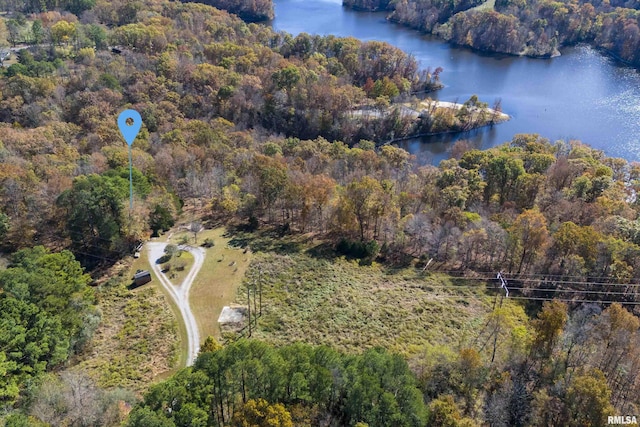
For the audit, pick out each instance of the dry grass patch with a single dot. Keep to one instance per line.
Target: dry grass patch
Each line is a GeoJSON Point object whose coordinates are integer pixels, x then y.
{"type": "Point", "coordinates": [339, 303]}
{"type": "Point", "coordinates": [137, 341]}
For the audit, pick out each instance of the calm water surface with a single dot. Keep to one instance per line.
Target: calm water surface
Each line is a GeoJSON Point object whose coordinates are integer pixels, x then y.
{"type": "Point", "coordinates": [579, 95]}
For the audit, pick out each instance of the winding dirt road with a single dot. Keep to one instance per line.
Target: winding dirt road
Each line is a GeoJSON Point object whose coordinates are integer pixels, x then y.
{"type": "Point", "coordinates": [180, 294]}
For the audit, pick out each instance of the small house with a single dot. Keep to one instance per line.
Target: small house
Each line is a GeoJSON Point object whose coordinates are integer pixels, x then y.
{"type": "Point", "coordinates": [141, 277]}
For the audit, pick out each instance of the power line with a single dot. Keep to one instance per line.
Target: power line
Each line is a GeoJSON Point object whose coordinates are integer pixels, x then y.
{"type": "Point", "coordinates": [580, 301]}
{"type": "Point", "coordinates": [565, 276]}
{"type": "Point", "coordinates": [573, 291]}
{"type": "Point", "coordinates": [572, 282]}
{"type": "Point", "coordinates": [463, 296]}
{"type": "Point", "coordinates": [453, 273]}
{"type": "Point", "coordinates": [95, 256]}
{"type": "Point", "coordinates": [512, 288]}
{"type": "Point", "coordinates": [540, 299]}
{"type": "Point", "coordinates": [531, 298]}
{"type": "Point", "coordinates": [490, 279]}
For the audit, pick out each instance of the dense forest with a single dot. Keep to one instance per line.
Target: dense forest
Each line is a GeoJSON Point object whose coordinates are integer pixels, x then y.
{"type": "Point", "coordinates": [47, 314]}
{"type": "Point", "coordinates": [244, 83]}
{"type": "Point", "coordinates": [520, 27]}
{"type": "Point", "coordinates": [248, 10]}
{"type": "Point", "coordinates": [258, 126]}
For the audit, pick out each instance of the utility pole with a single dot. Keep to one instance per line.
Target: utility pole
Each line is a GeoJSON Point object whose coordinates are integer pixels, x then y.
{"type": "Point", "coordinates": [503, 285]}
{"type": "Point", "coordinates": [255, 309]}
{"type": "Point", "coordinates": [249, 306]}
{"type": "Point", "coordinates": [260, 286]}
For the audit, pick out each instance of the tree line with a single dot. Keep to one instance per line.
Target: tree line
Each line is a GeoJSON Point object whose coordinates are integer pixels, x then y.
{"type": "Point", "coordinates": [47, 314]}
{"type": "Point", "coordinates": [561, 368]}
{"type": "Point", "coordinates": [250, 11]}
{"type": "Point", "coordinates": [254, 124]}
{"type": "Point", "coordinates": [528, 207]}
{"type": "Point", "coordinates": [520, 27]}
{"type": "Point", "coordinates": [293, 384]}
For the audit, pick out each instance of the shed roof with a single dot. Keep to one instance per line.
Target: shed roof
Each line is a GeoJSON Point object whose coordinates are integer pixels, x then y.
{"type": "Point", "coordinates": [143, 273]}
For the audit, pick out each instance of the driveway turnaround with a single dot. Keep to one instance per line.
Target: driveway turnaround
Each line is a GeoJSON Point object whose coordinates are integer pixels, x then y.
{"type": "Point", "coordinates": [180, 293]}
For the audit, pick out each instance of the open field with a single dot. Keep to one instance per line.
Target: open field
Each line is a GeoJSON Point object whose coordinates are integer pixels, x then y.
{"type": "Point", "coordinates": [340, 303]}
{"type": "Point", "coordinates": [137, 340]}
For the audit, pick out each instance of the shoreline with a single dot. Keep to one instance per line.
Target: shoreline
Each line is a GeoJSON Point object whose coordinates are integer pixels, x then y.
{"type": "Point", "coordinates": [555, 53]}
{"type": "Point", "coordinates": [434, 103]}
{"type": "Point", "coordinates": [490, 116]}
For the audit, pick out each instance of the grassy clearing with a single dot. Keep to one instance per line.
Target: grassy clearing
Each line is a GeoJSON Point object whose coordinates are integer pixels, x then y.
{"type": "Point", "coordinates": [180, 265]}
{"type": "Point", "coordinates": [216, 284]}
{"type": "Point", "coordinates": [339, 303]}
{"type": "Point", "coordinates": [138, 339]}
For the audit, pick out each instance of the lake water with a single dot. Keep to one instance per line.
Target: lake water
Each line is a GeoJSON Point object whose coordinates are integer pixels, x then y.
{"type": "Point", "coordinates": [580, 95]}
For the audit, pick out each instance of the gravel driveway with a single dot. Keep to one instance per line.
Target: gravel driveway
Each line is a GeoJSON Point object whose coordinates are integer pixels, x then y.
{"type": "Point", "coordinates": [180, 293]}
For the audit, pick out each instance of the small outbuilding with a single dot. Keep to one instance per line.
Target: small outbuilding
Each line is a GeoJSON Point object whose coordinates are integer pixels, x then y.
{"type": "Point", "coordinates": [232, 319]}
{"type": "Point", "coordinates": [141, 277]}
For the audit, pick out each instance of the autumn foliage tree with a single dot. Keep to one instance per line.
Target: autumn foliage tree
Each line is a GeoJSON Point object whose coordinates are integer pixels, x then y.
{"type": "Point", "coordinates": [529, 236]}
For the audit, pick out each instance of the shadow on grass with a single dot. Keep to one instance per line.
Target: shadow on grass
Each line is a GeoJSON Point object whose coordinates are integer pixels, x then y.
{"type": "Point", "coordinates": [396, 260]}
{"type": "Point", "coordinates": [324, 251]}
{"type": "Point", "coordinates": [274, 240]}
{"type": "Point", "coordinates": [163, 259]}
{"type": "Point", "coordinates": [266, 240]}
{"type": "Point", "coordinates": [133, 285]}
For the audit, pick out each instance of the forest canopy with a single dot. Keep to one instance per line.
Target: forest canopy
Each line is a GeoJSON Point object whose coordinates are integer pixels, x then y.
{"type": "Point", "coordinates": [259, 125]}
{"type": "Point", "coordinates": [47, 313]}
{"type": "Point", "coordinates": [250, 11]}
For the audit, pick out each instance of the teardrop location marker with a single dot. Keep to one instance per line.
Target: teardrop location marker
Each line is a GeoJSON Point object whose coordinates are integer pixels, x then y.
{"type": "Point", "coordinates": [129, 130]}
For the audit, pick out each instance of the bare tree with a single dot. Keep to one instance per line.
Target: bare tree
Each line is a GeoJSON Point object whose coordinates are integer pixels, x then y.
{"type": "Point", "coordinates": [196, 227]}
{"type": "Point", "coordinates": [72, 399]}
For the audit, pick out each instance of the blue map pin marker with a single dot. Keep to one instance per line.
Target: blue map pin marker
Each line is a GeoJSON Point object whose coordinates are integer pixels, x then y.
{"type": "Point", "coordinates": [129, 131]}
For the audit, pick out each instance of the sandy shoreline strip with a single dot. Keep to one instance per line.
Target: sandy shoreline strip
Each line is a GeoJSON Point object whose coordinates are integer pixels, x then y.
{"type": "Point", "coordinates": [432, 103]}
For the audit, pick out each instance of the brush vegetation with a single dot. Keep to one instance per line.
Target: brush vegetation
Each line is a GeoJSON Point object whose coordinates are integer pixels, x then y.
{"type": "Point", "coordinates": [352, 307]}
{"type": "Point", "coordinates": [137, 341]}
